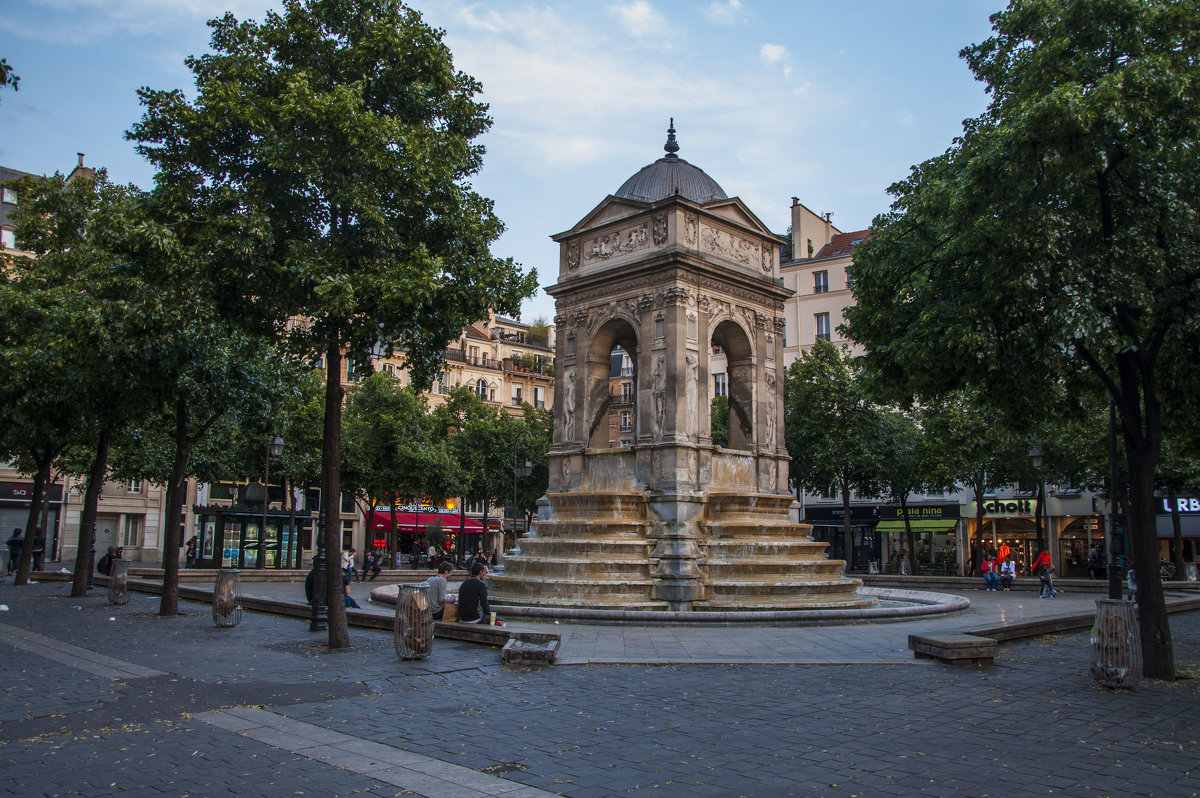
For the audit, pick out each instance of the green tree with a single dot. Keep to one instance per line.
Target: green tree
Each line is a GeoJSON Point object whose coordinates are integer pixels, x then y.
{"type": "Point", "coordinates": [371, 232]}
{"type": "Point", "coordinates": [720, 420]}
{"type": "Point", "coordinates": [69, 324]}
{"type": "Point", "coordinates": [7, 78]}
{"type": "Point", "coordinates": [831, 427]}
{"type": "Point", "coordinates": [972, 447]}
{"type": "Point", "coordinates": [900, 459]}
{"type": "Point", "coordinates": [1057, 235]}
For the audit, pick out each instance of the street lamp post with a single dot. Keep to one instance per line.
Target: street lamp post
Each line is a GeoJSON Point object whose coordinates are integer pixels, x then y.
{"type": "Point", "coordinates": [274, 449]}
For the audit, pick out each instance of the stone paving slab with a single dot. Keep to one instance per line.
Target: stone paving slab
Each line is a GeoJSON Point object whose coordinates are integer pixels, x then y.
{"type": "Point", "coordinates": [1035, 724]}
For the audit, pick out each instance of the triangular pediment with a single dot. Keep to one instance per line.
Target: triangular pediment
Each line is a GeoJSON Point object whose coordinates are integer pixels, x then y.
{"type": "Point", "coordinates": [734, 210]}
{"type": "Point", "coordinates": [610, 209]}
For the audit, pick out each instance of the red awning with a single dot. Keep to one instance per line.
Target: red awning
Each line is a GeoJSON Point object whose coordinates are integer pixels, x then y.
{"type": "Point", "coordinates": [407, 522]}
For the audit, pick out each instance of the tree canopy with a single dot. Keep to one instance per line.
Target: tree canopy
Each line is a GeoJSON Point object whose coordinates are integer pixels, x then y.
{"type": "Point", "coordinates": [1058, 235]}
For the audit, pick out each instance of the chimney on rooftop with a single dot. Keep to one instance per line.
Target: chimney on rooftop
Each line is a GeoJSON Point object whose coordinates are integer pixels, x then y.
{"type": "Point", "coordinates": [80, 154]}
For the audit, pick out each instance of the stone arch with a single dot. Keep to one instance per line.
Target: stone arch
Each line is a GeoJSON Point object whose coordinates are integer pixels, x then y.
{"type": "Point", "coordinates": [739, 356]}
{"type": "Point", "coordinates": [617, 331]}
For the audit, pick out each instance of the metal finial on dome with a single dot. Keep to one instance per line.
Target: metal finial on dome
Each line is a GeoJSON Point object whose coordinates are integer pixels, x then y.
{"type": "Point", "coordinates": [671, 146]}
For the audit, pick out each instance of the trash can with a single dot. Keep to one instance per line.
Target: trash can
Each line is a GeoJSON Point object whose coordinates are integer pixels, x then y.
{"type": "Point", "coordinates": [227, 598]}
{"type": "Point", "coordinates": [1116, 644]}
{"type": "Point", "coordinates": [412, 631]}
{"type": "Point", "coordinates": [118, 582]}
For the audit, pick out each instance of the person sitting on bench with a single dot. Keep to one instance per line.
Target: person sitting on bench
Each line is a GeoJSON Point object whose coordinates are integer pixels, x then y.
{"type": "Point", "coordinates": [472, 597]}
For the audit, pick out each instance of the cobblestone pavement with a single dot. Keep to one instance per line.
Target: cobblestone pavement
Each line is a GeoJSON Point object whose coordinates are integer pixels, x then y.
{"type": "Point", "coordinates": [101, 700]}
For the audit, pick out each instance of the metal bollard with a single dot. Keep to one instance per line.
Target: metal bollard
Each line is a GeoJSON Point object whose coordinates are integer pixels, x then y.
{"type": "Point", "coordinates": [1116, 644]}
{"type": "Point", "coordinates": [412, 632]}
{"type": "Point", "coordinates": [227, 598]}
{"type": "Point", "coordinates": [118, 582]}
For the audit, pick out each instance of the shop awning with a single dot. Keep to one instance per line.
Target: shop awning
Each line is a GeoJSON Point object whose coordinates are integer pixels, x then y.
{"type": "Point", "coordinates": [408, 522]}
{"type": "Point", "coordinates": [918, 525]}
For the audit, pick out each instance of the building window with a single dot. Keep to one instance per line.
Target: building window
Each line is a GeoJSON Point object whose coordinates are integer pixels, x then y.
{"type": "Point", "coordinates": [820, 282]}
{"type": "Point", "coordinates": [440, 385]}
{"type": "Point", "coordinates": [539, 396]}
{"type": "Point", "coordinates": [626, 421]}
{"type": "Point", "coordinates": [783, 333]}
{"type": "Point", "coordinates": [134, 486]}
{"type": "Point", "coordinates": [352, 374]}
{"type": "Point", "coordinates": [481, 389]}
{"type": "Point", "coordinates": [389, 368]}
{"type": "Point", "coordinates": [627, 392]}
{"type": "Point", "coordinates": [10, 195]}
{"type": "Point", "coordinates": [810, 247]}
{"type": "Point", "coordinates": [491, 395]}
{"type": "Point", "coordinates": [9, 238]}
{"type": "Point", "coordinates": [131, 536]}
{"type": "Point", "coordinates": [516, 395]}
{"type": "Point", "coordinates": [823, 326]}
{"type": "Point", "coordinates": [719, 386]}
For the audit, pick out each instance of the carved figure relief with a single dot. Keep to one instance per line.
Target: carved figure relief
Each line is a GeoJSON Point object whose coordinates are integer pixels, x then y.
{"type": "Point", "coordinates": [692, 377]}
{"type": "Point", "coordinates": [569, 406]}
{"type": "Point", "coordinates": [772, 410]}
{"type": "Point", "coordinates": [659, 391]}
{"type": "Point", "coordinates": [660, 229]}
{"type": "Point", "coordinates": [606, 246]}
{"type": "Point", "coordinates": [573, 256]}
{"type": "Point", "coordinates": [690, 224]}
{"type": "Point", "coordinates": [768, 259]}
{"type": "Point", "coordinates": [727, 245]}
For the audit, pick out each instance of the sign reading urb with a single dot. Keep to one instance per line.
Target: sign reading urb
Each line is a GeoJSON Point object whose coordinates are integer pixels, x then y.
{"type": "Point", "coordinates": [670, 270]}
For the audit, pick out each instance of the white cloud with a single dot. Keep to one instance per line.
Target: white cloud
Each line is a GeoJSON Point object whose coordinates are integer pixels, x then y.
{"type": "Point", "coordinates": [772, 53]}
{"type": "Point", "coordinates": [726, 13]}
{"type": "Point", "coordinates": [640, 18]}
{"type": "Point", "coordinates": [84, 21]}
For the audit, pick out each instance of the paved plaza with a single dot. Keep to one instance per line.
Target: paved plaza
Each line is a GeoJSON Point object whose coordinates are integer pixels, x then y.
{"type": "Point", "coordinates": [103, 700]}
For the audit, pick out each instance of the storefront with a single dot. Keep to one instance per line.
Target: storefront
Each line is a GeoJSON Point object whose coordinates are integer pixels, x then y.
{"type": "Point", "coordinates": [14, 512]}
{"type": "Point", "coordinates": [934, 549]}
{"type": "Point", "coordinates": [1006, 522]}
{"type": "Point", "coordinates": [234, 537]}
{"type": "Point", "coordinates": [1188, 510]}
{"type": "Point", "coordinates": [460, 535]}
{"type": "Point", "coordinates": [827, 526]}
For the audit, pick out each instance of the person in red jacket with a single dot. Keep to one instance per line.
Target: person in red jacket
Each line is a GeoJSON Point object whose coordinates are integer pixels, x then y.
{"type": "Point", "coordinates": [1044, 569]}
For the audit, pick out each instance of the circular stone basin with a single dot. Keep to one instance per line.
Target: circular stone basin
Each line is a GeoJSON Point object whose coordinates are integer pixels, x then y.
{"type": "Point", "coordinates": [893, 605]}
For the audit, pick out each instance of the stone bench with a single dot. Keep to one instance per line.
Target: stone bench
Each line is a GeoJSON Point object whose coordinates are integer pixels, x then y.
{"type": "Point", "coordinates": [523, 652]}
{"type": "Point", "coordinates": [489, 635]}
{"type": "Point", "coordinates": [954, 649]}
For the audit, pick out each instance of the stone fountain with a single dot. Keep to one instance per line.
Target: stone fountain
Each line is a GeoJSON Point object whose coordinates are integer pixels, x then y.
{"type": "Point", "coordinates": [675, 273]}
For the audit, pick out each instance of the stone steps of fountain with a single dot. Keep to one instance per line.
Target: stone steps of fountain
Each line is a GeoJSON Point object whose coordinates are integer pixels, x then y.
{"type": "Point", "coordinates": [572, 568]}
{"type": "Point", "coordinates": [771, 570]}
{"type": "Point", "coordinates": [759, 530]}
{"type": "Point", "coordinates": [560, 591]}
{"type": "Point", "coordinates": [569, 549]}
{"type": "Point", "coordinates": [584, 506]}
{"type": "Point", "coordinates": [750, 604]}
{"type": "Point", "coordinates": [734, 505]}
{"type": "Point", "coordinates": [619, 530]}
{"type": "Point", "coordinates": [781, 590]}
{"type": "Point", "coordinates": [734, 547]}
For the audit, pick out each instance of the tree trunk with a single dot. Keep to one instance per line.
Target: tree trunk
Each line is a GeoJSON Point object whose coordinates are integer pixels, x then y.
{"type": "Point", "coordinates": [331, 490]}
{"type": "Point", "coordinates": [168, 605]}
{"type": "Point", "coordinates": [847, 526]}
{"type": "Point", "coordinates": [1143, 440]}
{"type": "Point", "coordinates": [980, 487]}
{"type": "Point", "coordinates": [87, 521]}
{"type": "Point", "coordinates": [41, 488]}
{"type": "Point", "coordinates": [910, 536]}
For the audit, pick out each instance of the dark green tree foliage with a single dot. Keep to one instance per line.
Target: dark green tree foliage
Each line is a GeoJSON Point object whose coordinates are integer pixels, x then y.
{"type": "Point", "coordinates": [831, 427]}
{"type": "Point", "coordinates": [1059, 234]}
{"type": "Point", "coordinates": [970, 444]}
{"type": "Point", "coordinates": [342, 127]}
{"type": "Point", "coordinates": [71, 363]}
{"type": "Point", "coordinates": [720, 420]}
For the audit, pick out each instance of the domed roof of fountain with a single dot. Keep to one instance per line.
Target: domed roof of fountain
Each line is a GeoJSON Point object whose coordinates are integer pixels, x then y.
{"type": "Point", "coordinates": [670, 176]}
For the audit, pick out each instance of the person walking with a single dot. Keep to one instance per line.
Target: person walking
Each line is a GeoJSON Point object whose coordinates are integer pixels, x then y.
{"type": "Point", "coordinates": [1131, 584]}
{"type": "Point", "coordinates": [39, 549]}
{"type": "Point", "coordinates": [1044, 569]}
{"type": "Point", "coordinates": [14, 550]}
{"type": "Point", "coordinates": [190, 555]}
{"type": "Point", "coordinates": [372, 565]}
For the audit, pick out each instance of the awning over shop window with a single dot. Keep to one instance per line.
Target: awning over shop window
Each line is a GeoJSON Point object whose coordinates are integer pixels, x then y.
{"type": "Point", "coordinates": [408, 522]}
{"type": "Point", "coordinates": [918, 525]}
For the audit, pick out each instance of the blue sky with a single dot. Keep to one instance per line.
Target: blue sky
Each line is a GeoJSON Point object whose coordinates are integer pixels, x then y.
{"type": "Point", "coordinates": [828, 102]}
